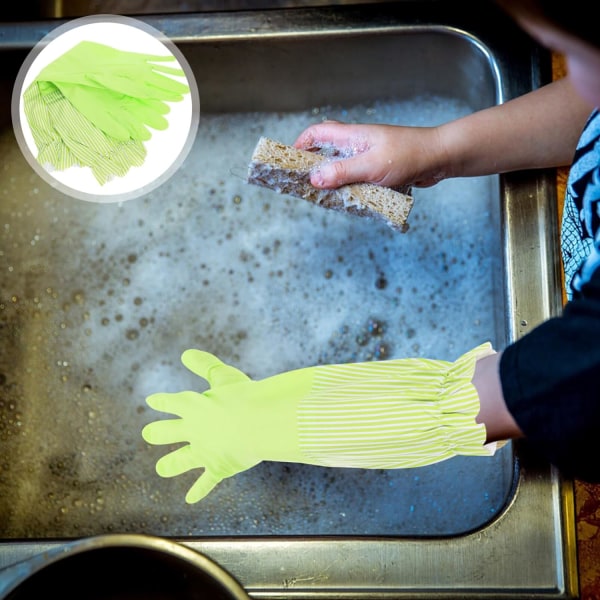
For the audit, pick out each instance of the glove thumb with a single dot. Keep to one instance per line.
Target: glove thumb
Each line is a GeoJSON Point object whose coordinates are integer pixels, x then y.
{"type": "Point", "coordinates": [209, 367]}
{"type": "Point", "coordinates": [202, 487]}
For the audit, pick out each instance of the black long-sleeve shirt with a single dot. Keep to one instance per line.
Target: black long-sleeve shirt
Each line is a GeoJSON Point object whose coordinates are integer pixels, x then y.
{"type": "Point", "coordinates": [550, 377]}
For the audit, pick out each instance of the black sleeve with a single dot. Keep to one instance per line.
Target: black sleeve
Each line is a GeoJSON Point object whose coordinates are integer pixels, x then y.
{"type": "Point", "coordinates": [550, 383]}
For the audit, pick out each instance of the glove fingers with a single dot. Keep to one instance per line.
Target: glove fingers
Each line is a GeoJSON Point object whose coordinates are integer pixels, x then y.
{"type": "Point", "coordinates": [164, 83]}
{"type": "Point", "coordinates": [150, 106]}
{"type": "Point", "coordinates": [177, 462]}
{"type": "Point", "coordinates": [108, 56]}
{"type": "Point", "coordinates": [153, 86]}
{"type": "Point", "coordinates": [202, 487]}
{"type": "Point", "coordinates": [148, 116]}
{"type": "Point", "coordinates": [209, 367]}
{"type": "Point", "coordinates": [168, 431]}
{"type": "Point", "coordinates": [101, 107]}
{"type": "Point", "coordinates": [137, 131]}
{"type": "Point", "coordinates": [173, 403]}
{"type": "Point", "coordinates": [167, 70]}
{"type": "Point", "coordinates": [89, 58]}
{"type": "Point", "coordinates": [123, 117]}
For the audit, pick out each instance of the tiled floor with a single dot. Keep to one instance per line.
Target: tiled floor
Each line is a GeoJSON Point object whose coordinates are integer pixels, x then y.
{"type": "Point", "coordinates": [587, 503]}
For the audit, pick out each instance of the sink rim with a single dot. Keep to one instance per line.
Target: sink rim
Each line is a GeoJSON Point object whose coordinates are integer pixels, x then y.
{"type": "Point", "coordinates": [478, 564]}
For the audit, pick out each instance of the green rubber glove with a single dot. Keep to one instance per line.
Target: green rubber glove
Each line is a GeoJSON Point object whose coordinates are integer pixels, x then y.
{"type": "Point", "coordinates": [117, 115]}
{"type": "Point", "coordinates": [64, 137]}
{"type": "Point", "coordinates": [119, 92]}
{"type": "Point", "coordinates": [384, 415]}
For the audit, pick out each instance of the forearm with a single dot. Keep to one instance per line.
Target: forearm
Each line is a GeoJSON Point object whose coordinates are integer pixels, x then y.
{"type": "Point", "coordinates": [537, 130]}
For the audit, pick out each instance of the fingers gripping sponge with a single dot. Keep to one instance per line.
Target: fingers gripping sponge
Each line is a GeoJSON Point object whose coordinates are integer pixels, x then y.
{"type": "Point", "coordinates": [286, 170]}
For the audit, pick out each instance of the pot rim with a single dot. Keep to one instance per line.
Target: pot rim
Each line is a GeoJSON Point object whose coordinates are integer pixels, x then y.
{"type": "Point", "coordinates": [13, 576]}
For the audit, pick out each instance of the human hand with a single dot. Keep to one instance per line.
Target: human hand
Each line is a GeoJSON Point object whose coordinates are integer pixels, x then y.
{"type": "Point", "coordinates": [388, 155]}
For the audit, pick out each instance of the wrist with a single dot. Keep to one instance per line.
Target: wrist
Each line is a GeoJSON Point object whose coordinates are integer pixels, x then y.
{"type": "Point", "coordinates": [493, 413]}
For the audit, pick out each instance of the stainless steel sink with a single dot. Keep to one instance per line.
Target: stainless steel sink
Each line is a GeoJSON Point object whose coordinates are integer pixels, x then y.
{"type": "Point", "coordinates": [97, 302]}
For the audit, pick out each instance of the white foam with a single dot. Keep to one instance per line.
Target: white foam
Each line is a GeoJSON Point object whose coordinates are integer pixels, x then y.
{"type": "Point", "coordinates": [111, 295]}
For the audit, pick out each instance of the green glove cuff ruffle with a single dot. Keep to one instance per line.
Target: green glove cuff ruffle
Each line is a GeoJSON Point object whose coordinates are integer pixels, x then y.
{"type": "Point", "coordinates": [459, 406]}
{"type": "Point", "coordinates": [393, 414]}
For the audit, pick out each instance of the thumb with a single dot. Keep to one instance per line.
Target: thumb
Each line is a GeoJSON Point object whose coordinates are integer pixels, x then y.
{"type": "Point", "coordinates": [211, 368]}
{"type": "Point", "coordinates": [335, 173]}
{"type": "Point", "coordinates": [202, 487]}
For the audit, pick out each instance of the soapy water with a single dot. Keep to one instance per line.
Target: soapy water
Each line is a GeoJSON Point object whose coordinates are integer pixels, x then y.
{"type": "Point", "coordinates": [99, 301]}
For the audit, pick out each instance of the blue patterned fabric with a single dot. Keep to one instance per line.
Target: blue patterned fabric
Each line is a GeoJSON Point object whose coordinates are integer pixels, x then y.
{"type": "Point", "coordinates": [581, 218]}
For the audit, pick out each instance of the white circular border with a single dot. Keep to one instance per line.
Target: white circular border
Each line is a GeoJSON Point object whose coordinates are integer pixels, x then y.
{"type": "Point", "coordinates": [165, 151]}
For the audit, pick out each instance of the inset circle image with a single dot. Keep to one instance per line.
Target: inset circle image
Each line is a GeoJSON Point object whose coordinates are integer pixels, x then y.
{"type": "Point", "coordinates": [105, 108]}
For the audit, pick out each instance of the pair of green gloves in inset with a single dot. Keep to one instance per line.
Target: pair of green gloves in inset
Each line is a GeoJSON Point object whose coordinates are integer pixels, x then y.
{"type": "Point", "coordinates": [383, 415]}
{"type": "Point", "coordinates": [93, 107]}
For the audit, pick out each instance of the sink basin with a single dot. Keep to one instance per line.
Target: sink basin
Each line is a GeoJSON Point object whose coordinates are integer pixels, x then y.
{"type": "Point", "coordinates": [97, 302]}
